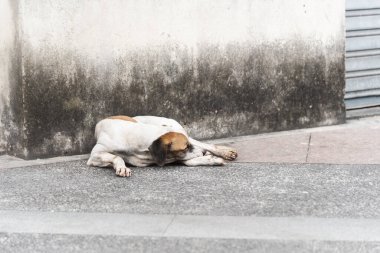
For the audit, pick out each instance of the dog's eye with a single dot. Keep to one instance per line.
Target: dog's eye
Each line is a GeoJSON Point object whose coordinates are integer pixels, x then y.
{"type": "Point", "coordinates": [189, 147]}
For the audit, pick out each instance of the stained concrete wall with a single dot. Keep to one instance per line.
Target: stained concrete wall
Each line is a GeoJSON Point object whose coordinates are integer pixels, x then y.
{"type": "Point", "coordinates": [220, 67]}
{"type": "Point", "coordinates": [10, 77]}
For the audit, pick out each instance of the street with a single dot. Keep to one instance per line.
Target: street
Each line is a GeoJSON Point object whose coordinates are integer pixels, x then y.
{"type": "Point", "coordinates": [241, 207]}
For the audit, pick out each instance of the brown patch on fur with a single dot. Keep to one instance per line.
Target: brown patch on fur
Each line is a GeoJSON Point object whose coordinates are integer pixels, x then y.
{"type": "Point", "coordinates": [176, 141]}
{"type": "Point", "coordinates": [121, 117]}
{"type": "Point", "coordinates": [172, 145]}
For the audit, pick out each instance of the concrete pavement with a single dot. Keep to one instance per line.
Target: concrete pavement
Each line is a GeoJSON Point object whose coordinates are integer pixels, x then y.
{"type": "Point", "coordinates": [191, 226]}
{"type": "Point", "coordinates": [310, 190]}
{"type": "Point", "coordinates": [356, 142]}
{"type": "Point", "coordinates": [246, 189]}
{"type": "Point", "coordinates": [26, 242]}
{"type": "Point", "coordinates": [246, 207]}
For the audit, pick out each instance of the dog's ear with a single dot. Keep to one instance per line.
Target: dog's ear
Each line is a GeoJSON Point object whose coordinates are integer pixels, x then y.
{"type": "Point", "coordinates": [159, 151]}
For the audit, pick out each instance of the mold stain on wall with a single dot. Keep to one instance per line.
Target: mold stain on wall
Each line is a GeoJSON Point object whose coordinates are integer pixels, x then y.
{"type": "Point", "coordinates": [11, 106]}
{"type": "Point", "coordinates": [217, 91]}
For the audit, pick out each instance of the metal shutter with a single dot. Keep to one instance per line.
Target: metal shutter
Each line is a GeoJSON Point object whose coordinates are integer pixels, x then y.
{"type": "Point", "coordinates": [362, 54]}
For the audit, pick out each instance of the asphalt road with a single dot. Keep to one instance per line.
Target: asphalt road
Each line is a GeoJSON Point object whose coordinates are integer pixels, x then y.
{"type": "Point", "coordinates": [317, 208]}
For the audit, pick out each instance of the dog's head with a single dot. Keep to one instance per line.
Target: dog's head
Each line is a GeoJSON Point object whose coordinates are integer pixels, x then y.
{"type": "Point", "coordinates": [170, 145]}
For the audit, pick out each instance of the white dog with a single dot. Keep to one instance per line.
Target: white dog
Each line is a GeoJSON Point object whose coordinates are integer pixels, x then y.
{"type": "Point", "coordinates": [146, 140]}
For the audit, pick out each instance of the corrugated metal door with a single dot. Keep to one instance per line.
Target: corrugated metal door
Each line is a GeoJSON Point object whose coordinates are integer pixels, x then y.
{"type": "Point", "coordinates": [362, 54]}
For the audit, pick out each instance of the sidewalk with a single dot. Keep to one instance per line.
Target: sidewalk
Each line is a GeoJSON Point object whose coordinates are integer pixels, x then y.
{"type": "Point", "coordinates": [356, 142]}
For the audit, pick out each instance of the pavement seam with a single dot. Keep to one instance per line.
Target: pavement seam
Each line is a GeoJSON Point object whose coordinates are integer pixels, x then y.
{"type": "Point", "coordinates": [308, 149]}
{"type": "Point", "coordinates": [170, 223]}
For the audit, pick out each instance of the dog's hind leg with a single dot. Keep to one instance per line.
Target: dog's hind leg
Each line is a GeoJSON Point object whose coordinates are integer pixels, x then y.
{"type": "Point", "coordinates": [204, 160]}
{"type": "Point", "coordinates": [100, 158]}
{"type": "Point", "coordinates": [221, 151]}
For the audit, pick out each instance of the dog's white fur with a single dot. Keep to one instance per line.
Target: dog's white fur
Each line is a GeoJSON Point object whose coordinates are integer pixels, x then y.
{"type": "Point", "coordinates": [130, 140]}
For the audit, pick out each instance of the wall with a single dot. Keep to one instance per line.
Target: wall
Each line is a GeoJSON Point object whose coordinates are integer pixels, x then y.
{"type": "Point", "coordinates": [10, 79]}
{"type": "Point", "coordinates": [220, 67]}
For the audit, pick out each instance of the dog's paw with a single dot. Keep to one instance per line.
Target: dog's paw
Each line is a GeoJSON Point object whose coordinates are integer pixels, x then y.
{"type": "Point", "coordinates": [123, 172]}
{"type": "Point", "coordinates": [218, 161]}
{"type": "Point", "coordinates": [214, 160]}
{"type": "Point", "coordinates": [227, 153]}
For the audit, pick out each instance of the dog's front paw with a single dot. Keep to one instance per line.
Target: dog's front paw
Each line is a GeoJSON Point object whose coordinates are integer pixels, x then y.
{"type": "Point", "coordinates": [228, 153]}
{"type": "Point", "coordinates": [123, 172]}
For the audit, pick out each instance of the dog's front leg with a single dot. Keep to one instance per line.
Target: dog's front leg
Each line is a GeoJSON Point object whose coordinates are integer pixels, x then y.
{"type": "Point", "coordinates": [204, 160]}
{"type": "Point", "coordinates": [105, 159]}
{"type": "Point", "coordinates": [221, 151]}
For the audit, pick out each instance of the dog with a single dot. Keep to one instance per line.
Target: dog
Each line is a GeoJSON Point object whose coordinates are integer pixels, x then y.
{"type": "Point", "coordinates": [149, 140]}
